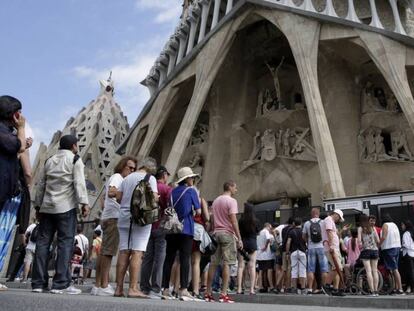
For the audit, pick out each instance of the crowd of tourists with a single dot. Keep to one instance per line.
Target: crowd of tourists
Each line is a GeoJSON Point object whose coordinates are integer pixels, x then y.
{"type": "Point", "coordinates": [170, 243]}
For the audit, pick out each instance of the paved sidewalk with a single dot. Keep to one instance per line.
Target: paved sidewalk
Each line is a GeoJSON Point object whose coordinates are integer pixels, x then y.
{"type": "Point", "coordinates": [362, 302]}
{"type": "Point", "coordinates": [17, 299]}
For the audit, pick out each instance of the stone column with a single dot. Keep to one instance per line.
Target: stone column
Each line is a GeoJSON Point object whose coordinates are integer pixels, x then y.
{"type": "Point", "coordinates": [171, 51]}
{"type": "Point", "coordinates": [192, 19]}
{"type": "Point", "coordinates": [397, 20]}
{"type": "Point", "coordinates": [303, 36]}
{"type": "Point", "coordinates": [329, 9]}
{"type": "Point", "coordinates": [229, 6]}
{"type": "Point", "coordinates": [391, 58]}
{"type": "Point", "coordinates": [205, 8]}
{"type": "Point", "coordinates": [209, 61]}
{"type": "Point", "coordinates": [308, 6]}
{"type": "Point", "coordinates": [216, 13]}
{"type": "Point", "coordinates": [182, 37]}
{"type": "Point", "coordinates": [375, 22]}
{"type": "Point", "coordinates": [352, 16]}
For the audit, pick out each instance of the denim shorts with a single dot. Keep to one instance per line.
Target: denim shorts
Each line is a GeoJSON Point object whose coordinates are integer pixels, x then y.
{"type": "Point", "coordinates": [369, 254]}
{"type": "Point", "coordinates": [317, 255]}
{"type": "Point", "coordinates": [391, 257]}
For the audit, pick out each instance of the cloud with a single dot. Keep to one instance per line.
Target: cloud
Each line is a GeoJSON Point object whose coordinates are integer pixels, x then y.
{"type": "Point", "coordinates": [168, 10]}
{"type": "Point", "coordinates": [129, 65]}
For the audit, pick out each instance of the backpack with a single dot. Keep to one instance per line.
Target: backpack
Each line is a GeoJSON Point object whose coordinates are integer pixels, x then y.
{"type": "Point", "coordinates": [170, 223]}
{"type": "Point", "coordinates": [34, 234]}
{"type": "Point", "coordinates": [144, 208]}
{"type": "Point", "coordinates": [315, 231]}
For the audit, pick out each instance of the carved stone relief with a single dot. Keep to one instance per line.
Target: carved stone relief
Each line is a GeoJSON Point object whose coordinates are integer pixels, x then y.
{"type": "Point", "coordinates": [377, 145]}
{"type": "Point", "coordinates": [294, 144]}
{"type": "Point", "coordinates": [200, 134]}
{"type": "Point", "coordinates": [376, 99]}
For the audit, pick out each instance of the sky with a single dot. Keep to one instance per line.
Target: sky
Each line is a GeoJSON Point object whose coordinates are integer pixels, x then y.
{"type": "Point", "coordinates": [53, 54]}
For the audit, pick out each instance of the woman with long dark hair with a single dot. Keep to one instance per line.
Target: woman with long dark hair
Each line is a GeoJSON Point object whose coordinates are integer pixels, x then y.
{"type": "Point", "coordinates": [408, 253]}
{"type": "Point", "coordinates": [369, 240]}
{"type": "Point", "coordinates": [248, 230]}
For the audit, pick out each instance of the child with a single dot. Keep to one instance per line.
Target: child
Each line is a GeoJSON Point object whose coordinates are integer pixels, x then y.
{"type": "Point", "coordinates": [76, 262]}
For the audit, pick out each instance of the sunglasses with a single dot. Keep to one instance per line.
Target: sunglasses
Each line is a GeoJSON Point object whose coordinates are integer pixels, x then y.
{"type": "Point", "coordinates": [132, 168]}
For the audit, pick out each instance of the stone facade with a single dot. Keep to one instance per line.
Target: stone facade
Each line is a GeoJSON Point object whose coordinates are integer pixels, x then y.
{"type": "Point", "coordinates": [100, 128]}
{"type": "Point", "coordinates": [314, 102]}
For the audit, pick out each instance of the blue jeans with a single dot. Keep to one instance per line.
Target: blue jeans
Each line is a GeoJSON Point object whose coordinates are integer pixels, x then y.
{"type": "Point", "coordinates": [153, 262]}
{"type": "Point", "coordinates": [317, 255]}
{"type": "Point", "coordinates": [65, 226]}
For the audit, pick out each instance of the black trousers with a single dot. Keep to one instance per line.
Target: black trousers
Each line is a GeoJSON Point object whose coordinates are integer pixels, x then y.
{"type": "Point", "coordinates": [183, 244]}
{"type": "Point", "coordinates": [65, 226]}
{"type": "Point", "coordinates": [408, 270]}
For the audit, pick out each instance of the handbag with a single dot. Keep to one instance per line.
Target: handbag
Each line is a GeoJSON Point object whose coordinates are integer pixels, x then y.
{"type": "Point", "coordinates": [170, 222]}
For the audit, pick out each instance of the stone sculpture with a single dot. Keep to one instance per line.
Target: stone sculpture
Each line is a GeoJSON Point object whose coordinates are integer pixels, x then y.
{"type": "Point", "coordinates": [370, 103]}
{"type": "Point", "coordinates": [268, 145]}
{"type": "Point", "coordinates": [275, 74]}
{"type": "Point", "coordinates": [200, 134]}
{"type": "Point", "coordinates": [400, 146]}
{"type": "Point", "coordinates": [286, 143]}
{"type": "Point", "coordinates": [257, 147]}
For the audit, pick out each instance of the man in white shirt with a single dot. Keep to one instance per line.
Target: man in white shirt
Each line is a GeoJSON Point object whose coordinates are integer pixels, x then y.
{"type": "Point", "coordinates": [265, 257]}
{"type": "Point", "coordinates": [60, 190]}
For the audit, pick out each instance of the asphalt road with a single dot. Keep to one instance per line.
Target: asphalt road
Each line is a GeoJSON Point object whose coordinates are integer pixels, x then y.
{"type": "Point", "coordinates": [18, 299]}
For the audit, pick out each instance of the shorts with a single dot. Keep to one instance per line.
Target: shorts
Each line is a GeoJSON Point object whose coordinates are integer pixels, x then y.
{"type": "Point", "coordinates": [298, 262]}
{"type": "Point", "coordinates": [250, 245]}
{"type": "Point", "coordinates": [369, 254]}
{"type": "Point", "coordinates": [279, 260]}
{"type": "Point", "coordinates": [226, 252]}
{"type": "Point", "coordinates": [110, 237]}
{"type": "Point", "coordinates": [136, 240]}
{"type": "Point", "coordinates": [331, 261]}
{"type": "Point", "coordinates": [196, 246]}
{"type": "Point", "coordinates": [266, 264]}
{"type": "Point", "coordinates": [317, 255]}
{"type": "Point", "coordinates": [286, 266]}
{"type": "Point", "coordinates": [391, 257]}
{"type": "Point", "coordinates": [28, 258]}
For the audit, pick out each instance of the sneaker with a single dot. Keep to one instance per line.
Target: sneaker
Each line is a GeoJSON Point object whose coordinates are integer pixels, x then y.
{"type": "Point", "coordinates": [225, 299]}
{"type": "Point", "coordinates": [154, 295]}
{"type": "Point", "coordinates": [94, 290]}
{"type": "Point", "coordinates": [337, 293]}
{"type": "Point", "coordinates": [209, 298]}
{"type": "Point", "coordinates": [71, 290]}
{"type": "Point", "coordinates": [38, 290]}
{"type": "Point", "coordinates": [185, 296]}
{"type": "Point", "coordinates": [327, 290]}
{"type": "Point", "coordinates": [275, 291]}
{"type": "Point", "coordinates": [398, 292]}
{"type": "Point", "coordinates": [198, 297]}
{"type": "Point", "coordinates": [165, 295]}
{"type": "Point", "coordinates": [108, 291]}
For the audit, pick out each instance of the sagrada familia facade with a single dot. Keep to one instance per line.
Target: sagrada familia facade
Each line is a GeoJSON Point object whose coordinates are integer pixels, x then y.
{"type": "Point", "coordinates": [293, 99]}
{"type": "Point", "coordinates": [100, 127]}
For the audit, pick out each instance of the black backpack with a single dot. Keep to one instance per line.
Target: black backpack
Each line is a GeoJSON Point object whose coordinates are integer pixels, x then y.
{"type": "Point", "coordinates": [315, 231]}
{"type": "Point", "coordinates": [34, 234]}
{"type": "Point", "coordinates": [144, 208]}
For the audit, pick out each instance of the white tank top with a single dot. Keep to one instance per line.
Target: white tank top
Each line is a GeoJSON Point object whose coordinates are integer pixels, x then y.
{"type": "Point", "coordinates": [393, 239]}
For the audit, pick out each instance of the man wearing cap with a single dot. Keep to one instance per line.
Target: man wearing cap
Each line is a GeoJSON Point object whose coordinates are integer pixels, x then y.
{"type": "Point", "coordinates": [153, 261]}
{"type": "Point", "coordinates": [332, 250]}
{"type": "Point", "coordinates": [60, 190]}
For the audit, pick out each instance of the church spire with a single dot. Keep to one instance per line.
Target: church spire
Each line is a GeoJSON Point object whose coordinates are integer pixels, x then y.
{"type": "Point", "coordinates": [107, 87]}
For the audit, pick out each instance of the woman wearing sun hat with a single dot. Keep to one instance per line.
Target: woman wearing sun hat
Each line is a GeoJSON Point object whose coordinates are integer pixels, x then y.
{"type": "Point", "coordinates": [185, 199]}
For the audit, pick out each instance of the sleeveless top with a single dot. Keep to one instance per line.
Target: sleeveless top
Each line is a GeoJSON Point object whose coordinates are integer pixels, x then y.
{"type": "Point", "coordinates": [368, 241]}
{"type": "Point", "coordinates": [393, 237]}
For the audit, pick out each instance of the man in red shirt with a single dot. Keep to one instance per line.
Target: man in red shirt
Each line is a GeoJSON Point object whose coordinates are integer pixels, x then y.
{"type": "Point", "coordinates": [154, 257]}
{"type": "Point", "coordinates": [226, 232]}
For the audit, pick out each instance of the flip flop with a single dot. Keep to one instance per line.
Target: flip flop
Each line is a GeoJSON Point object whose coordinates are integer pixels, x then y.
{"type": "Point", "coordinates": [119, 295]}
{"type": "Point", "coordinates": [138, 296]}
